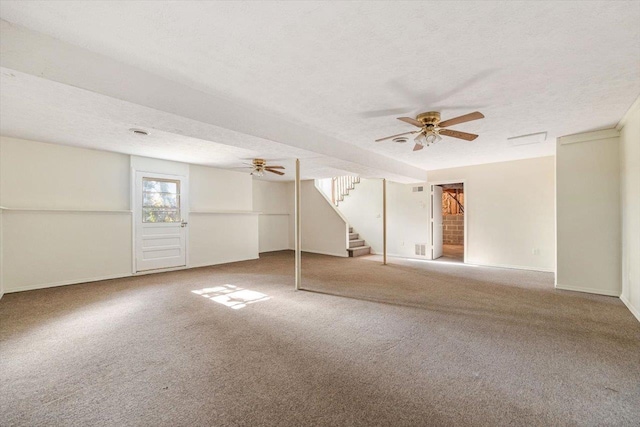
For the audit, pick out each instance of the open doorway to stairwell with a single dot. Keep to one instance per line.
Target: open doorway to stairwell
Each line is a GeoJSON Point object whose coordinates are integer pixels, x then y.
{"type": "Point", "coordinates": [448, 225]}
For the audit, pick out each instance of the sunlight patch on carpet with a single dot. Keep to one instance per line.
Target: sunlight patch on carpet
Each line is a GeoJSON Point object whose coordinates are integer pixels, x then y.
{"type": "Point", "coordinates": [232, 296]}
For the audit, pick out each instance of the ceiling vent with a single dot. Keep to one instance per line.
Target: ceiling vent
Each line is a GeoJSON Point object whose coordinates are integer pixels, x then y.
{"type": "Point", "coordinates": [533, 138]}
{"type": "Point", "coordinates": [139, 132]}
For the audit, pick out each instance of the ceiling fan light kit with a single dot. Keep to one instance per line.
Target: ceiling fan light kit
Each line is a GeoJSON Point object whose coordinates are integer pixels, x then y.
{"type": "Point", "coordinates": [431, 128]}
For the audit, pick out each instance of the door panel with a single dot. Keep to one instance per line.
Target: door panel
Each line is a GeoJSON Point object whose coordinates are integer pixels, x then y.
{"type": "Point", "coordinates": [436, 221]}
{"type": "Point", "coordinates": [160, 210]}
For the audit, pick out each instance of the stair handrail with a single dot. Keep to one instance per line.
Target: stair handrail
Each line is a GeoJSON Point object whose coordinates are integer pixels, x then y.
{"type": "Point", "coordinates": [341, 186]}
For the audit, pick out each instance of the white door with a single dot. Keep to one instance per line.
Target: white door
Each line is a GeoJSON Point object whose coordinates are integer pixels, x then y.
{"type": "Point", "coordinates": [160, 219]}
{"type": "Point", "coordinates": [436, 221]}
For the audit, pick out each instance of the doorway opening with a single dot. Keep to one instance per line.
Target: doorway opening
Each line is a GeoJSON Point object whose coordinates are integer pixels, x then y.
{"type": "Point", "coordinates": [448, 222]}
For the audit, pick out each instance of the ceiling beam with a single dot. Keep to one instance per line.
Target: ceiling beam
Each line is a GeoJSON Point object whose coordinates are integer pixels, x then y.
{"type": "Point", "coordinates": [37, 54]}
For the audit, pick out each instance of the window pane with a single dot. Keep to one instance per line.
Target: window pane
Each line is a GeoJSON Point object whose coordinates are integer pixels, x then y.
{"type": "Point", "coordinates": [156, 215]}
{"type": "Point", "coordinates": [159, 200]}
{"type": "Point", "coordinates": [160, 186]}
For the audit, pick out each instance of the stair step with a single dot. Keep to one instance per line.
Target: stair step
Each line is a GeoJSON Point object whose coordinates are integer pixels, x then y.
{"type": "Point", "coordinates": [350, 229]}
{"type": "Point", "coordinates": [359, 251]}
{"type": "Point", "coordinates": [356, 243]}
{"type": "Point", "coordinates": [353, 236]}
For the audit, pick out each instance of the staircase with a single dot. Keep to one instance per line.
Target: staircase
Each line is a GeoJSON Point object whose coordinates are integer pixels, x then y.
{"type": "Point", "coordinates": [340, 187]}
{"type": "Point", "coordinates": [357, 246]}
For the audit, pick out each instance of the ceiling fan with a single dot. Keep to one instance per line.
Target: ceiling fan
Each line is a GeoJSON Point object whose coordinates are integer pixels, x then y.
{"type": "Point", "coordinates": [431, 128]}
{"type": "Point", "coordinates": [259, 167]}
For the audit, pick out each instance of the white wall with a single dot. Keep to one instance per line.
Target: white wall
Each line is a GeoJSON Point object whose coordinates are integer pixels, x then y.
{"type": "Point", "coordinates": [219, 190]}
{"type": "Point", "coordinates": [362, 208]}
{"type": "Point", "coordinates": [630, 208]}
{"type": "Point", "coordinates": [49, 176]}
{"type": "Point", "coordinates": [273, 201]}
{"type": "Point", "coordinates": [407, 219]}
{"type": "Point", "coordinates": [588, 213]}
{"type": "Point", "coordinates": [69, 218]}
{"type": "Point", "coordinates": [1, 233]}
{"type": "Point", "coordinates": [68, 215]}
{"type": "Point", "coordinates": [509, 208]}
{"type": "Point", "coordinates": [217, 238]}
{"type": "Point", "coordinates": [222, 226]}
{"type": "Point", "coordinates": [49, 248]}
{"type": "Point", "coordinates": [323, 229]}
{"type": "Point", "coordinates": [1, 254]}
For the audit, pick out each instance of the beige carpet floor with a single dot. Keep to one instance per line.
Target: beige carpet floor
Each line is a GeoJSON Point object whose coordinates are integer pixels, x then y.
{"type": "Point", "coordinates": [408, 344]}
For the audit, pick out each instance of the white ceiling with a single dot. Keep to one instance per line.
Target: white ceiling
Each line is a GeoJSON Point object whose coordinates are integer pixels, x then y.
{"type": "Point", "coordinates": [81, 118]}
{"type": "Point", "coordinates": [559, 67]}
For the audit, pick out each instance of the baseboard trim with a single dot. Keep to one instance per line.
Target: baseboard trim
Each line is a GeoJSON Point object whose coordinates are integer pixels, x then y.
{"type": "Point", "coordinates": [587, 290]}
{"type": "Point", "coordinates": [221, 263]}
{"type": "Point", "coordinates": [631, 308]}
{"type": "Point", "coordinates": [514, 267]}
{"type": "Point", "coordinates": [66, 283]}
{"type": "Point", "coordinates": [327, 253]}
{"type": "Point", "coordinates": [113, 276]}
{"type": "Point", "coordinates": [275, 250]}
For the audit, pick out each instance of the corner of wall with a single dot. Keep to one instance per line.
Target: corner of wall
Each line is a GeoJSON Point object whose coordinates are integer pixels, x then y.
{"type": "Point", "coordinates": [632, 309]}
{"type": "Point", "coordinates": [1, 255]}
{"type": "Point", "coordinates": [629, 160]}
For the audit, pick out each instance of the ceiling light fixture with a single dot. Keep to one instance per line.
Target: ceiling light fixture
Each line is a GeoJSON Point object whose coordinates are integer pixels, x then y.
{"type": "Point", "coordinates": [427, 138]}
{"type": "Point", "coordinates": [432, 137]}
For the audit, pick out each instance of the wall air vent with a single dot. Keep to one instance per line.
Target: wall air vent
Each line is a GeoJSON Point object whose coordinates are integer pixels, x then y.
{"type": "Point", "coordinates": [417, 189]}
{"type": "Point", "coordinates": [421, 249]}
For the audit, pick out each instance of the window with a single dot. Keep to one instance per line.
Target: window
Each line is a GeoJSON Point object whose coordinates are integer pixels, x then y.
{"type": "Point", "coordinates": [160, 200]}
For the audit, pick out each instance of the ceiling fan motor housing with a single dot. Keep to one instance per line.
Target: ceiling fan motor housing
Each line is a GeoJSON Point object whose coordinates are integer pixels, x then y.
{"type": "Point", "coordinates": [431, 118]}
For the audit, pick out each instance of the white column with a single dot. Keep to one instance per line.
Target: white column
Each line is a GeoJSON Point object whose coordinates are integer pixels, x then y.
{"type": "Point", "coordinates": [384, 221]}
{"type": "Point", "coordinates": [297, 237]}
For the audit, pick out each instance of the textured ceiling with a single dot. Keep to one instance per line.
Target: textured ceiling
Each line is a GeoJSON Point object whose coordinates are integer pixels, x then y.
{"type": "Point", "coordinates": [559, 67]}
{"type": "Point", "coordinates": [85, 119]}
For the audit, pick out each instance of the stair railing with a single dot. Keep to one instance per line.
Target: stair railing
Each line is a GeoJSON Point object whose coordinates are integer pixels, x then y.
{"type": "Point", "coordinates": [340, 187]}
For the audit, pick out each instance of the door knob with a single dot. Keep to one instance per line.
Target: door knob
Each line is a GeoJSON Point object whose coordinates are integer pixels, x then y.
{"type": "Point", "coordinates": [183, 223]}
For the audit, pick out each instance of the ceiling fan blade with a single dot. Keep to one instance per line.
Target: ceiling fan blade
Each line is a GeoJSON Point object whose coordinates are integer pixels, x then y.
{"type": "Point", "coordinates": [274, 171]}
{"type": "Point", "coordinates": [411, 121]}
{"type": "Point", "coordinates": [418, 147]}
{"type": "Point", "coordinates": [393, 136]}
{"type": "Point", "coordinates": [275, 167]}
{"type": "Point", "coordinates": [458, 134]}
{"type": "Point", "coordinates": [462, 119]}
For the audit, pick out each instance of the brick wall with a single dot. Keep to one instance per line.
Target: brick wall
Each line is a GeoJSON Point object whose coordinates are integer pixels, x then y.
{"type": "Point", "coordinates": [453, 230]}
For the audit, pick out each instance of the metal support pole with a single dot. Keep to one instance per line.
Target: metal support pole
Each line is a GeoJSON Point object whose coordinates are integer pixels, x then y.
{"type": "Point", "coordinates": [384, 221]}
{"type": "Point", "coordinates": [298, 240]}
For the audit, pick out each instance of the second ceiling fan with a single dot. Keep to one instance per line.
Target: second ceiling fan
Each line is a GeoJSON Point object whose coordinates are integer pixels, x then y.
{"type": "Point", "coordinates": [260, 166]}
{"type": "Point", "coordinates": [431, 128]}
